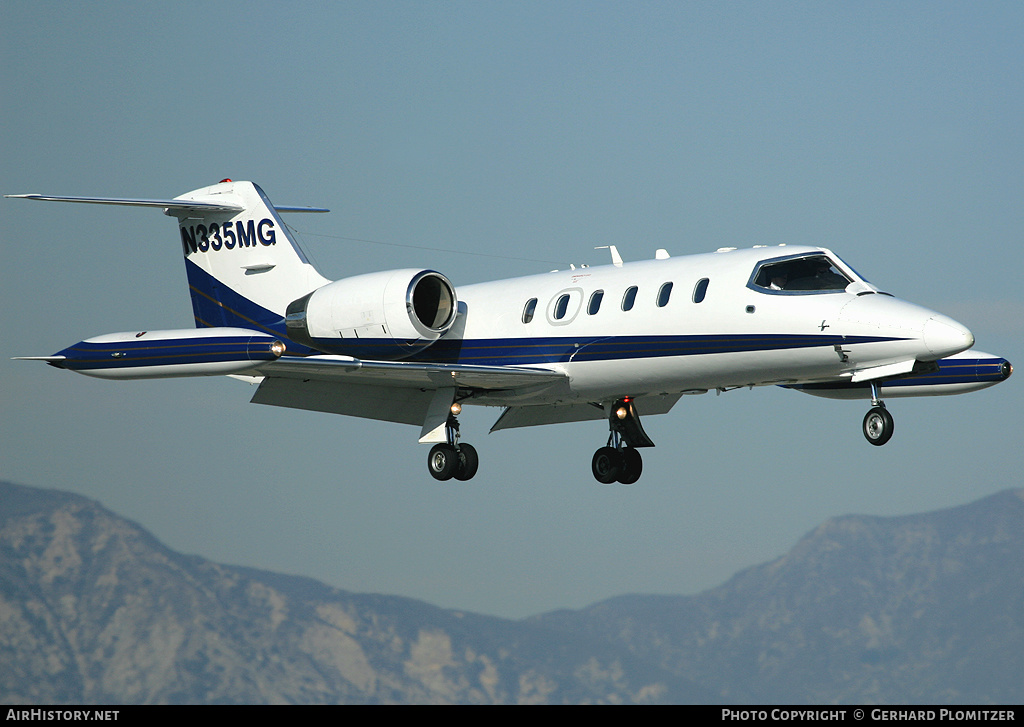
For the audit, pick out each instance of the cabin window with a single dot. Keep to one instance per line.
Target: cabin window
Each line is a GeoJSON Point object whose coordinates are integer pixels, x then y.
{"type": "Point", "coordinates": [529, 310]}
{"type": "Point", "coordinates": [629, 298]}
{"type": "Point", "coordinates": [803, 274]}
{"type": "Point", "coordinates": [564, 306]}
{"type": "Point", "coordinates": [700, 290]}
{"type": "Point", "coordinates": [561, 306]}
{"type": "Point", "coordinates": [595, 302]}
{"type": "Point", "coordinates": [663, 294]}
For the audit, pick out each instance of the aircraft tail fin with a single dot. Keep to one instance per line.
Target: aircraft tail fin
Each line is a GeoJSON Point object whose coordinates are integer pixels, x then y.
{"type": "Point", "coordinates": [243, 265]}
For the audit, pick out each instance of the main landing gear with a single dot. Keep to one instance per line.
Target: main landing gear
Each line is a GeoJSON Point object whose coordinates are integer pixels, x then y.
{"type": "Point", "coordinates": [619, 460]}
{"type": "Point", "coordinates": [452, 458]}
{"type": "Point", "coordinates": [878, 423]}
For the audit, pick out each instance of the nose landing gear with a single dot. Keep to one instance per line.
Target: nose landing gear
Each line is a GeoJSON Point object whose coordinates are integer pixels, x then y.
{"type": "Point", "coordinates": [878, 423]}
{"type": "Point", "coordinates": [619, 461]}
{"type": "Point", "coordinates": [452, 458]}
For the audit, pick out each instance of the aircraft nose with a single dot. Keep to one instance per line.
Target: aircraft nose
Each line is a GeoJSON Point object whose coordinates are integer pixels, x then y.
{"type": "Point", "coordinates": [944, 337]}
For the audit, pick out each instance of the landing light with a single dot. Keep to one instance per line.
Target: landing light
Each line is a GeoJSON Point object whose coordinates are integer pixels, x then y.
{"type": "Point", "coordinates": [277, 348]}
{"type": "Point", "coordinates": [621, 412]}
{"type": "Point", "coordinates": [456, 408]}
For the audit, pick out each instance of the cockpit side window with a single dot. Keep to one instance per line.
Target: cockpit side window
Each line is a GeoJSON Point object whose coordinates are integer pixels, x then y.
{"type": "Point", "coordinates": [806, 274]}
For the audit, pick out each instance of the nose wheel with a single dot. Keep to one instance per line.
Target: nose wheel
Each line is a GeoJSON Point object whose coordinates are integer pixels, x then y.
{"type": "Point", "coordinates": [878, 423]}
{"type": "Point", "coordinates": [452, 459]}
{"type": "Point", "coordinates": [619, 461]}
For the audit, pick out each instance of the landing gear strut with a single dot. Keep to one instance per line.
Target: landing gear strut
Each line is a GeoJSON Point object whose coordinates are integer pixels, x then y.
{"type": "Point", "coordinates": [619, 460]}
{"type": "Point", "coordinates": [452, 458]}
{"type": "Point", "coordinates": [878, 423]}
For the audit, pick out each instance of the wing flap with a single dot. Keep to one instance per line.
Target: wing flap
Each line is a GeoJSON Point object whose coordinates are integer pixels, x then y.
{"type": "Point", "coordinates": [538, 414]}
{"type": "Point", "coordinates": [392, 391]}
{"type": "Point", "coordinates": [405, 405]}
{"type": "Point", "coordinates": [403, 374]}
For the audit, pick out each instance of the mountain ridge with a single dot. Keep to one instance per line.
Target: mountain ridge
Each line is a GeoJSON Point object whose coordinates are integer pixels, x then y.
{"type": "Point", "coordinates": [917, 593]}
{"type": "Point", "coordinates": [923, 608]}
{"type": "Point", "coordinates": [93, 609]}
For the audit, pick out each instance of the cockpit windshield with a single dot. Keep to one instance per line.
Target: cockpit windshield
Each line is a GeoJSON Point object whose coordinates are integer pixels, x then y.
{"type": "Point", "coordinates": [804, 274]}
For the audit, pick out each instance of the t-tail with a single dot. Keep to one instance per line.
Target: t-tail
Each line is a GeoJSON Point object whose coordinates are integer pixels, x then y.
{"type": "Point", "coordinates": [243, 265]}
{"type": "Point", "coordinates": [243, 269]}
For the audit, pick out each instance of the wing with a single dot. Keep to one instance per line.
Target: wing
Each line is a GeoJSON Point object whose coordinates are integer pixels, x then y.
{"type": "Point", "coordinates": [394, 391]}
{"type": "Point", "coordinates": [532, 415]}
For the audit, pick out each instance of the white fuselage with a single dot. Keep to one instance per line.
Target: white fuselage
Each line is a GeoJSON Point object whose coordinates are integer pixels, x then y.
{"type": "Point", "coordinates": [739, 334]}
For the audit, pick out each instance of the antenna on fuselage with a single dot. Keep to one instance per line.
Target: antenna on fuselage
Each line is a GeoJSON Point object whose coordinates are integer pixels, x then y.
{"type": "Point", "coordinates": [616, 258]}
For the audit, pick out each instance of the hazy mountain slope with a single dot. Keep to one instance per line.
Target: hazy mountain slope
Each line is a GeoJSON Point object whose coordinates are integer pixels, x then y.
{"type": "Point", "coordinates": [94, 610]}
{"type": "Point", "coordinates": [923, 608]}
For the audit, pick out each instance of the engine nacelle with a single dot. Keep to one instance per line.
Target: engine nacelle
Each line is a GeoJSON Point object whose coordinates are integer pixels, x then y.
{"type": "Point", "coordinates": [389, 315]}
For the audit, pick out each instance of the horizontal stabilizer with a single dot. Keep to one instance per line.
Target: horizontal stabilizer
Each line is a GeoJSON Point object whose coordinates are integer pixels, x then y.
{"type": "Point", "coordinates": [290, 208]}
{"type": "Point", "coordinates": [169, 204]}
{"type": "Point", "coordinates": [175, 205]}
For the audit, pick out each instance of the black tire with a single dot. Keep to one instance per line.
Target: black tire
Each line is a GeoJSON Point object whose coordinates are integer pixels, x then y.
{"type": "Point", "coordinates": [632, 466]}
{"type": "Point", "coordinates": [468, 461]}
{"type": "Point", "coordinates": [442, 461]}
{"type": "Point", "coordinates": [878, 426]}
{"type": "Point", "coordinates": [606, 465]}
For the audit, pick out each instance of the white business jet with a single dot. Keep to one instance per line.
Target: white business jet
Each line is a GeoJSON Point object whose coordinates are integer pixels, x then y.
{"type": "Point", "coordinates": [608, 342]}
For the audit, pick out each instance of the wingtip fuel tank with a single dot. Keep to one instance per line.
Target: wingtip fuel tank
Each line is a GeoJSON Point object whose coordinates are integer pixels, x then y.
{"type": "Point", "coordinates": [163, 354]}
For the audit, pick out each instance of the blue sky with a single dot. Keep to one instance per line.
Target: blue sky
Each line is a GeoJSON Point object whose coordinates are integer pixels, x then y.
{"type": "Point", "coordinates": [523, 135]}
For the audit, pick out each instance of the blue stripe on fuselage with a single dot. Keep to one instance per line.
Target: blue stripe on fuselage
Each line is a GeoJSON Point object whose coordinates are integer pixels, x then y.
{"type": "Point", "coordinates": [563, 349]}
{"type": "Point", "coordinates": [215, 304]}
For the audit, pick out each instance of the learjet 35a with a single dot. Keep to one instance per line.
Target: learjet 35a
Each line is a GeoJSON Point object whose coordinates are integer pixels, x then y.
{"type": "Point", "coordinates": [608, 342]}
